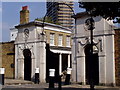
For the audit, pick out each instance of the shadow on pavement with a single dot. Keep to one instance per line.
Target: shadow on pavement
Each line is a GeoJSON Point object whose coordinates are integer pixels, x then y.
{"type": "Point", "coordinates": [47, 89]}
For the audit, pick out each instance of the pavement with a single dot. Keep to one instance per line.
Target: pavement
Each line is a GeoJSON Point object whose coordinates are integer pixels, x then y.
{"type": "Point", "coordinates": [14, 84]}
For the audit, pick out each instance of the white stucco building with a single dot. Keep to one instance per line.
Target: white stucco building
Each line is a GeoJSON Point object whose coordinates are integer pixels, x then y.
{"type": "Point", "coordinates": [13, 34]}
{"type": "Point", "coordinates": [37, 47]}
{"type": "Point", "coordinates": [104, 61]}
{"type": "Point", "coordinates": [31, 51]}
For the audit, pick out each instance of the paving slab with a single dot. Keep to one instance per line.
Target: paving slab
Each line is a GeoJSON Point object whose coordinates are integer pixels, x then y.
{"type": "Point", "coordinates": [16, 81]}
{"type": "Point", "coordinates": [45, 86]}
{"type": "Point", "coordinates": [28, 85]}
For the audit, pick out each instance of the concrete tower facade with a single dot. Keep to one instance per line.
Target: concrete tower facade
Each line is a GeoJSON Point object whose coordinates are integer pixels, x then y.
{"type": "Point", "coordinates": [61, 13]}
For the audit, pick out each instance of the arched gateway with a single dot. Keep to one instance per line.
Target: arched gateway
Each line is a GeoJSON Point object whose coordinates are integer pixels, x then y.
{"type": "Point", "coordinates": [103, 38]}
{"type": "Point", "coordinates": [27, 64]}
{"type": "Point", "coordinates": [30, 53]}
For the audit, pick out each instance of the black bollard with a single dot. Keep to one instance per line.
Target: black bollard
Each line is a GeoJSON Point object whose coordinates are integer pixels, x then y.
{"type": "Point", "coordinates": [1, 79]}
{"type": "Point", "coordinates": [59, 82]}
{"type": "Point", "coordinates": [51, 78]}
{"type": "Point", "coordinates": [2, 71]}
{"type": "Point", "coordinates": [37, 76]}
{"type": "Point", "coordinates": [67, 80]}
{"type": "Point", "coordinates": [51, 82]}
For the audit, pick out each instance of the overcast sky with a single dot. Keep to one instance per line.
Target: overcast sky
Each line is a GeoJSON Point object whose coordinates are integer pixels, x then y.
{"type": "Point", "coordinates": [11, 16]}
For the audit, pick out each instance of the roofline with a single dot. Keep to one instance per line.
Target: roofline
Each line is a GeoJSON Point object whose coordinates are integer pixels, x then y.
{"type": "Point", "coordinates": [51, 24]}
{"type": "Point", "coordinates": [13, 28]}
{"type": "Point", "coordinates": [39, 23]}
{"type": "Point", "coordinates": [6, 42]}
{"type": "Point", "coordinates": [80, 15]}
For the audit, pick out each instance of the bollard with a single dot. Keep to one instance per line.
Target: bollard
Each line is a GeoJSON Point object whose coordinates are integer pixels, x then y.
{"type": "Point", "coordinates": [51, 78]}
{"type": "Point", "coordinates": [2, 72]}
{"type": "Point", "coordinates": [59, 82]}
{"type": "Point", "coordinates": [67, 80]}
{"type": "Point", "coordinates": [37, 76]}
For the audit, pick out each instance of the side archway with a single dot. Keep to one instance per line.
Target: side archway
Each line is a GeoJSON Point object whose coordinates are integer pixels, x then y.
{"type": "Point", "coordinates": [27, 64]}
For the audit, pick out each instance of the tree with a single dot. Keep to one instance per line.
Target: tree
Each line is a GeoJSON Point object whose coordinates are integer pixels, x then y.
{"type": "Point", "coordinates": [108, 10]}
{"type": "Point", "coordinates": [47, 19]}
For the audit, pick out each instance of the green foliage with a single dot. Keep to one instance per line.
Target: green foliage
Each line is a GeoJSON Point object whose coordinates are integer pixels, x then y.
{"type": "Point", "coordinates": [108, 10]}
{"type": "Point", "coordinates": [117, 20]}
{"type": "Point", "coordinates": [47, 19]}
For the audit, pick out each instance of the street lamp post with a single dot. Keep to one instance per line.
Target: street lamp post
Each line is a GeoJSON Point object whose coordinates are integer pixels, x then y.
{"type": "Point", "coordinates": [90, 25]}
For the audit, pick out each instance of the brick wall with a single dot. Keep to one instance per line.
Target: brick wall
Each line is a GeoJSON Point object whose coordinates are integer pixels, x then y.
{"type": "Point", "coordinates": [117, 56]}
{"type": "Point", "coordinates": [8, 57]}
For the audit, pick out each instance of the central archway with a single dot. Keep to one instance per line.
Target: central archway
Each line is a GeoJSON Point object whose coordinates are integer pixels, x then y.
{"type": "Point", "coordinates": [91, 66]}
{"type": "Point", "coordinates": [27, 64]}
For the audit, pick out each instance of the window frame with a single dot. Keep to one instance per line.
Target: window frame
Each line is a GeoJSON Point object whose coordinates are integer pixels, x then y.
{"type": "Point", "coordinates": [60, 40]}
{"type": "Point", "coordinates": [52, 39]}
{"type": "Point", "coordinates": [68, 41]}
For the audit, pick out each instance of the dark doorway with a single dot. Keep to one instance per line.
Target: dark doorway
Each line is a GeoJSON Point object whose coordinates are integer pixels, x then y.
{"type": "Point", "coordinates": [92, 66]}
{"type": "Point", "coordinates": [27, 64]}
{"type": "Point", "coordinates": [64, 61]}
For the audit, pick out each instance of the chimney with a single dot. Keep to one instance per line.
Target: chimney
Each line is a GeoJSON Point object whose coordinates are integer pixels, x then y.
{"type": "Point", "coordinates": [24, 15]}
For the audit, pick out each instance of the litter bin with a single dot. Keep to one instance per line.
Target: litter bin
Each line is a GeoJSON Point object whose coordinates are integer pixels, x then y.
{"type": "Point", "coordinates": [51, 78]}
{"type": "Point", "coordinates": [37, 76]}
{"type": "Point", "coordinates": [67, 79]}
{"type": "Point", "coordinates": [2, 72]}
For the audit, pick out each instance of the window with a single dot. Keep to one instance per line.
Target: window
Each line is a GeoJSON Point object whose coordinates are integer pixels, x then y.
{"type": "Point", "coordinates": [68, 41]}
{"type": "Point", "coordinates": [60, 40]}
{"type": "Point", "coordinates": [51, 38]}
